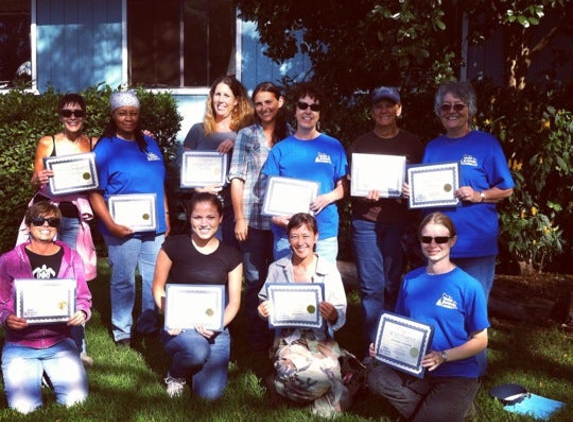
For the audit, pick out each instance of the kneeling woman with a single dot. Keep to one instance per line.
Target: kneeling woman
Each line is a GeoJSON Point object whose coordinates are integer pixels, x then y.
{"type": "Point", "coordinates": [446, 297]}
{"type": "Point", "coordinates": [306, 360]}
{"type": "Point", "coordinates": [199, 355]}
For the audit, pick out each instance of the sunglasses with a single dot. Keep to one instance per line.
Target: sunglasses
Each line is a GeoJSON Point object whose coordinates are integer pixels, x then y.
{"type": "Point", "coordinates": [438, 239]}
{"type": "Point", "coordinates": [70, 113]}
{"type": "Point", "coordinates": [52, 221]}
{"type": "Point", "coordinates": [303, 106]}
{"type": "Point", "coordinates": [448, 107]}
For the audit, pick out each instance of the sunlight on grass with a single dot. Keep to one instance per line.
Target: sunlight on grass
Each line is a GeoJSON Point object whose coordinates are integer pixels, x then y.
{"type": "Point", "coordinates": [126, 385]}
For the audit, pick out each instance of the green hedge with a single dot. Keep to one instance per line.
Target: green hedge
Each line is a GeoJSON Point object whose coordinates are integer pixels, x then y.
{"type": "Point", "coordinates": [26, 117]}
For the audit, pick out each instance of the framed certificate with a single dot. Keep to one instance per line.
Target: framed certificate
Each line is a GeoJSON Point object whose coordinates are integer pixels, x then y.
{"type": "Point", "coordinates": [433, 185]}
{"type": "Point", "coordinates": [286, 196]}
{"type": "Point", "coordinates": [72, 173]}
{"type": "Point", "coordinates": [191, 305]}
{"type": "Point", "coordinates": [295, 304]}
{"type": "Point", "coordinates": [203, 168]}
{"type": "Point", "coordinates": [45, 301]}
{"type": "Point", "coordinates": [384, 173]}
{"type": "Point", "coordinates": [402, 342]}
{"type": "Point", "coordinates": [136, 211]}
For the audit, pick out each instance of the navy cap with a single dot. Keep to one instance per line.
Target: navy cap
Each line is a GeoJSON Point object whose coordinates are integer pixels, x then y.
{"type": "Point", "coordinates": [389, 92]}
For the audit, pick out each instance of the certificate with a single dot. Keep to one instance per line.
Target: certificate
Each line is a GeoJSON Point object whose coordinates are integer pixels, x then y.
{"type": "Point", "coordinates": [433, 185]}
{"type": "Point", "coordinates": [295, 304]}
{"type": "Point", "coordinates": [203, 168]}
{"type": "Point", "coordinates": [136, 211]}
{"type": "Point", "coordinates": [286, 196]}
{"type": "Point", "coordinates": [402, 342]}
{"type": "Point", "coordinates": [72, 173]}
{"type": "Point", "coordinates": [191, 305]}
{"type": "Point", "coordinates": [384, 173]}
{"type": "Point", "coordinates": [44, 301]}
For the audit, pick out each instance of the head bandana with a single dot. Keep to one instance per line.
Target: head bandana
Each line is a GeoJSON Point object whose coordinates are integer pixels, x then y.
{"type": "Point", "coordinates": [123, 99]}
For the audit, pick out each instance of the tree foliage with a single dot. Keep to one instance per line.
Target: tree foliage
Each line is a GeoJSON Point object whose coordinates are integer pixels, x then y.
{"type": "Point", "coordinates": [355, 45]}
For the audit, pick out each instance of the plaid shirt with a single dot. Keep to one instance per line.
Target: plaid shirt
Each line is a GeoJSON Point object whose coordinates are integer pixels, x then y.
{"type": "Point", "coordinates": [249, 154]}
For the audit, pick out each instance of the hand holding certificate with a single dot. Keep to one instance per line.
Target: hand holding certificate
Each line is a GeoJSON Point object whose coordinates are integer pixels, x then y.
{"type": "Point", "coordinates": [72, 173]}
{"type": "Point", "coordinates": [45, 301]}
{"type": "Point", "coordinates": [434, 185]}
{"type": "Point", "coordinates": [295, 304]}
{"type": "Point", "coordinates": [136, 211]}
{"type": "Point", "coordinates": [402, 342]}
{"type": "Point", "coordinates": [203, 168]}
{"type": "Point", "coordinates": [192, 305]}
{"type": "Point", "coordinates": [384, 173]}
{"type": "Point", "coordinates": [286, 196]}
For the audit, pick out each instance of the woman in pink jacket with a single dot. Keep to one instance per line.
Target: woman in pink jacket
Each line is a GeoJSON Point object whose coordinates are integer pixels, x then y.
{"type": "Point", "coordinates": [31, 350]}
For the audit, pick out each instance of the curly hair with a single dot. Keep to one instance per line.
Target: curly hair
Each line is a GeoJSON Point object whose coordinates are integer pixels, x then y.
{"type": "Point", "coordinates": [243, 112]}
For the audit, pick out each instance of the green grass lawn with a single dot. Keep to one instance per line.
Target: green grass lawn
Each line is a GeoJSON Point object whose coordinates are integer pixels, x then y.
{"type": "Point", "coordinates": [126, 385]}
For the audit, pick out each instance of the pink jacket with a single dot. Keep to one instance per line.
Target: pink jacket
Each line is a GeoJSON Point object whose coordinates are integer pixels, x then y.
{"type": "Point", "coordinates": [16, 265]}
{"type": "Point", "coordinates": [84, 245]}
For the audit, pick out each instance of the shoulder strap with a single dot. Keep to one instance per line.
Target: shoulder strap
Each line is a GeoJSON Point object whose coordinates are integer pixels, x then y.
{"type": "Point", "coordinates": [53, 154]}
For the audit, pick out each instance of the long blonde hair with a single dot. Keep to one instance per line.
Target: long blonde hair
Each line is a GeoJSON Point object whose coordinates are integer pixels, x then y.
{"type": "Point", "coordinates": [242, 114]}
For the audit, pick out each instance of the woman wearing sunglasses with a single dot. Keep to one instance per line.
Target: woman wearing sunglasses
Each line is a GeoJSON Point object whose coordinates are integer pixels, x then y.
{"type": "Point", "coordinates": [75, 208]}
{"type": "Point", "coordinates": [485, 180]}
{"type": "Point", "coordinates": [313, 156]}
{"type": "Point", "coordinates": [447, 298]}
{"type": "Point", "coordinates": [33, 349]}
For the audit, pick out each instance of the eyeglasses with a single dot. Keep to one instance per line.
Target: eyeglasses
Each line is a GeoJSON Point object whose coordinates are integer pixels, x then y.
{"type": "Point", "coordinates": [303, 106]}
{"type": "Point", "coordinates": [438, 239]}
{"type": "Point", "coordinates": [295, 237]}
{"type": "Point", "coordinates": [52, 221]}
{"type": "Point", "coordinates": [448, 107]}
{"type": "Point", "coordinates": [70, 113]}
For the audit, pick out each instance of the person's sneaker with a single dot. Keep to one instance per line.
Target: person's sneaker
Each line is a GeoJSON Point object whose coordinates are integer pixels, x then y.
{"type": "Point", "coordinates": [124, 342]}
{"type": "Point", "coordinates": [175, 386]}
{"type": "Point", "coordinates": [86, 360]}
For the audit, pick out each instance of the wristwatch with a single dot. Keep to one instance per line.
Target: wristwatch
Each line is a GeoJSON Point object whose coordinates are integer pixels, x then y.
{"type": "Point", "coordinates": [482, 196]}
{"type": "Point", "coordinates": [444, 356]}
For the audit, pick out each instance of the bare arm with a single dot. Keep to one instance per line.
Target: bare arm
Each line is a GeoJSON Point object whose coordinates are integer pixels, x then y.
{"type": "Point", "coordinates": [334, 195]}
{"type": "Point", "coordinates": [162, 268]}
{"type": "Point", "coordinates": [476, 344]}
{"type": "Point", "coordinates": [241, 224]}
{"type": "Point", "coordinates": [41, 175]}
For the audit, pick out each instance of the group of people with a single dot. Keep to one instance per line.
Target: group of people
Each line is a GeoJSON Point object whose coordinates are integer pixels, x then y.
{"type": "Point", "coordinates": [231, 239]}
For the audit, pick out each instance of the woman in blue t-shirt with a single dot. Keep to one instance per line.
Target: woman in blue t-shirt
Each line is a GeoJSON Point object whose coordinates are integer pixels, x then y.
{"type": "Point", "coordinates": [445, 297]}
{"type": "Point", "coordinates": [199, 355]}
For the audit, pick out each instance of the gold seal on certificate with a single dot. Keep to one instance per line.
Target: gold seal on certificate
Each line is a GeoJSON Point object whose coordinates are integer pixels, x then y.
{"type": "Point", "coordinates": [191, 305]}
{"type": "Point", "coordinates": [433, 185]}
{"type": "Point", "coordinates": [136, 211]}
{"type": "Point", "coordinates": [47, 301]}
{"type": "Point", "coordinates": [384, 173]}
{"type": "Point", "coordinates": [203, 168]}
{"type": "Point", "coordinates": [72, 173]}
{"type": "Point", "coordinates": [402, 342]}
{"type": "Point", "coordinates": [295, 304]}
{"type": "Point", "coordinates": [286, 196]}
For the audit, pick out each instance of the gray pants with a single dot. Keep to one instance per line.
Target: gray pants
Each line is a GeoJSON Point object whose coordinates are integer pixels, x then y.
{"type": "Point", "coordinates": [431, 399]}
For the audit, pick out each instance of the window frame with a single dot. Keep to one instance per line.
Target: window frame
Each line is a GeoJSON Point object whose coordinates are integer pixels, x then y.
{"type": "Point", "coordinates": [178, 90]}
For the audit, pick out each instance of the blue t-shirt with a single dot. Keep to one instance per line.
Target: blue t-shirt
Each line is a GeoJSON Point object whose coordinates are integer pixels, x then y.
{"type": "Point", "coordinates": [482, 166]}
{"type": "Point", "coordinates": [123, 168]}
{"type": "Point", "coordinates": [322, 160]}
{"type": "Point", "coordinates": [454, 304]}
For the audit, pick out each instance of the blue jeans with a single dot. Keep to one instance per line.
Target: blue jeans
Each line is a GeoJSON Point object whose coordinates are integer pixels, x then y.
{"type": "Point", "coordinates": [481, 268]}
{"type": "Point", "coordinates": [124, 255]}
{"type": "Point", "coordinates": [325, 248]}
{"type": "Point", "coordinates": [68, 231]}
{"type": "Point", "coordinates": [379, 262]}
{"type": "Point", "coordinates": [22, 368]}
{"type": "Point", "coordinates": [204, 361]}
{"type": "Point", "coordinates": [257, 256]}
{"type": "Point", "coordinates": [427, 399]}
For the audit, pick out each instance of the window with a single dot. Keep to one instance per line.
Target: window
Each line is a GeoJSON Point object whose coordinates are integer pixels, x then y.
{"type": "Point", "coordinates": [14, 42]}
{"type": "Point", "coordinates": [180, 43]}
